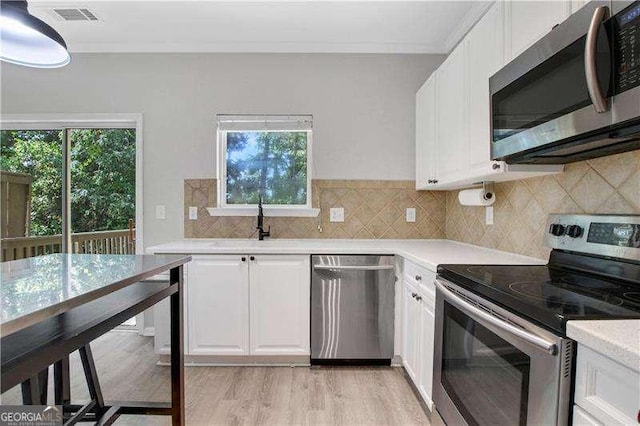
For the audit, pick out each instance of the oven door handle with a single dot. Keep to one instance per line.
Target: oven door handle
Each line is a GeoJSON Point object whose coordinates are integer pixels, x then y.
{"type": "Point", "coordinates": [591, 71]}
{"type": "Point", "coordinates": [471, 310]}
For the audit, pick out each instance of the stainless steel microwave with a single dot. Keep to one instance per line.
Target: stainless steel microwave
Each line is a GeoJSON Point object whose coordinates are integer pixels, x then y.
{"type": "Point", "coordinates": [574, 94]}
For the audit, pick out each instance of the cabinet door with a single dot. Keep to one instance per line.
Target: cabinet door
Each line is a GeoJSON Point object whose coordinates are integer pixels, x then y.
{"type": "Point", "coordinates": [426, 133]}
{"type": "Point", "coordinates": [528, 21]}
{"type": "Point", "coordinates": [452, 115]}
{"type": "Point", "coordinates": [218, 315]}
{"type": "Point", "coordinates": [279, 294]}
{"type": "Point", "coordinates": [582, 418]}
{"type": "Point", "coordinates": [427, 331]}
{"type": "Point", "coordinates": [484, 57]}
{"type": "Point", "coordinates": [410, 331]}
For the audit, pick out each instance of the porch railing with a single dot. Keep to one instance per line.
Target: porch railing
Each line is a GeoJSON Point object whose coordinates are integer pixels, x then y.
{"type": "Point", "coordinates": [101, 242]}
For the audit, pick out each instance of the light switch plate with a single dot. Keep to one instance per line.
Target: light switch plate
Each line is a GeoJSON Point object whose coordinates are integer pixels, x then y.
{"type": "Point", "coordinates": [193, 213]}
{"type": "Point", "coordinates": [336, 214]}
{"type": "Point", "coordinates": [411, 214]}
{"type": "Point", "coordinates": [488, 216]}
{"type": "Point", "coordinates": [161, 212]}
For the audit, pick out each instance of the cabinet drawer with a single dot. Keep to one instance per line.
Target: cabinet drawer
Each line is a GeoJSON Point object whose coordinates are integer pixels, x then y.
{"type": "Point", "coordinates": [417, 274]}
{"type": "Point", "coordinates": [421, 278]}
{"type": "Point", "coordinates": [608, 391]}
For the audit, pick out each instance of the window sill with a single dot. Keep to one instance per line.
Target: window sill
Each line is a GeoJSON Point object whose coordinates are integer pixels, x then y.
{"type": "Point", "coordinates": [268, 211]}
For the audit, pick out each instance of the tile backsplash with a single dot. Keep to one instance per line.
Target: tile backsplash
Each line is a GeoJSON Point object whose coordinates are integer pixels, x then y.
{"type": "Point", "coordinates": [603, 185]}
{"type": "Point", "coordinates": [372, 209]}
{"type": "Point", "coordinates": [376, 209]}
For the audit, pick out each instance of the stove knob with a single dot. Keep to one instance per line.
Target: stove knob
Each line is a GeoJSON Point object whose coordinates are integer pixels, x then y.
{"type": "Point", "coordinates": [556, 229]}
{"type": "Point", "coordinates": [574, 231]}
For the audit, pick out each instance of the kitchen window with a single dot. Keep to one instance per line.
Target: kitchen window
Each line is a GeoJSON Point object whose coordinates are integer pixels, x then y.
{"type": "Point", "coordinates": [268, 157]}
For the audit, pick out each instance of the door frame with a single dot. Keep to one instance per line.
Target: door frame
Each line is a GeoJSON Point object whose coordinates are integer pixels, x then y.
{"type": "Point", "coordinates": [87, 121]}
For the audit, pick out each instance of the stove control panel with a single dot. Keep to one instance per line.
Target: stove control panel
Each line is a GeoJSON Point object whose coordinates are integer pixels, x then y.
{"type": "Point", "coordinates": [606, 235]}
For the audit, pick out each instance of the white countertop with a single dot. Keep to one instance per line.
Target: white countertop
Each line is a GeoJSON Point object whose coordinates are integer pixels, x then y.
{"type": "Point", "coordinates": [617, 339]}
{"type": "Point", "coordinates": [427, 253]}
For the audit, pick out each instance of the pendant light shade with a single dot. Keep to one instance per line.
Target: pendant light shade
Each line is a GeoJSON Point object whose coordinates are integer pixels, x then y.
{"type": "Point", "coordinates": [27, 40]}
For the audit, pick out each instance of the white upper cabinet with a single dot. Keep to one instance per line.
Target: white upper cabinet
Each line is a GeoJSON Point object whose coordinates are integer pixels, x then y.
{"type": "Point", "coordinates": [484, 48]}
{"type": "Point", "coordinates": [426, 132]}
{"type": "Point", "coordinates": [279, 288]}
{"type": "Point", "coordinates": [453, 107]}
{"type": "Point", "coordinates": [452, 114]}
{"type": "Point", "coordinates": [527, 21]}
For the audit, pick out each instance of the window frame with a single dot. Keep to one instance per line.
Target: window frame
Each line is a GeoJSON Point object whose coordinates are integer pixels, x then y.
{"type": "Point", "coordinates": [222, 177]}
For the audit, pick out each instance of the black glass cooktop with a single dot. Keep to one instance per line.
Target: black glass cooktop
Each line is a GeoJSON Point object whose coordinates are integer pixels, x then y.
{"type": "Point", "coordinates": [548, 295]}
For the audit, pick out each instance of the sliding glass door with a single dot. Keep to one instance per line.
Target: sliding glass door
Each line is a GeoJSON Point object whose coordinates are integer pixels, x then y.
{"type": "Point", "coordinates": [72, 187]}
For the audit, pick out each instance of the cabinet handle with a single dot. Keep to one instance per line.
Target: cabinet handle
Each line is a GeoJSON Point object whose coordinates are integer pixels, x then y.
{"type": "Point", "coordinates": [430, 181]}
{"type": "Point", "coordinates": [418, 298]}
{"type": "Point", "coordinates": [413, 295]}
{"type": "Point", "coordinates": [435, 181]}
{"type": "Point", "coordinates": [252, 258]}
{"type": "Point", "coordinates": [244, 259]}
{"type": "Point", "coordinates": [418, 278]}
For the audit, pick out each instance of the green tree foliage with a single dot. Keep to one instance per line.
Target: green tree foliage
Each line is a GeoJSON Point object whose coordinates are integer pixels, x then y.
{"type": "Point", "coordinates": [39, 154]}
{"type": "Point", "coordinates": [271, 164]}
{"type": "Point", "coordinates": [102, 176]}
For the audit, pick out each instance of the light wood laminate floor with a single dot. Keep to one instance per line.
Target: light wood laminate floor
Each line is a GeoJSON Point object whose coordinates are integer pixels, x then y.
{"type": "Point", "coordinates": [127, 368]}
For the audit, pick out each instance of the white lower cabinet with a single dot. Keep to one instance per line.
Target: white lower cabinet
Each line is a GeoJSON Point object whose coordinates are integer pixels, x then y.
{"type": "Point", "coordinates": [218, 308]}
{"type": "Point", "coordinates": [606, 392]}
{"type": "Point", "coordinates": [238, 305]}
{"type": "Point", "coordinates": [582, 418]}
{"type": "Point", "coordinates": [418, 327]}
{"type": "Point", "coordinates": [427, 330]}
{"type": "Point", "coordinates": [410, 330]}
{"type": "Point", "coordinates": [279, 299]}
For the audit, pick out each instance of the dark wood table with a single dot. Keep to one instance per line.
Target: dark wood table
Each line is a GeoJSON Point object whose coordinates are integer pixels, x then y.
{"type": "Point", "coordinates": [56, 304]}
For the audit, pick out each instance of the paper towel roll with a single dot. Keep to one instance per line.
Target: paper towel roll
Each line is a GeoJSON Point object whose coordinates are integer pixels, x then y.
{"type": "Point", "coordinates": [476, 197]}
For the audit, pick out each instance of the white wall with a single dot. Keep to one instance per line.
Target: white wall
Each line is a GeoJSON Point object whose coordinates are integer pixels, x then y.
{"type": "Point", "coordinates": [362, 106]}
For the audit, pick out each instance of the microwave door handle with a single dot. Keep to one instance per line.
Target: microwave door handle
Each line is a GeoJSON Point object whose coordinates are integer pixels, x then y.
{"type": "Point", "coordinates": [600, 14]}
{"type": "Point", "coordinates": [469, 309]}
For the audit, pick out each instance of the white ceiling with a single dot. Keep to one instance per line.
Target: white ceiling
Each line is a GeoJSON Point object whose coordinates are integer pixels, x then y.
{"type": "Point", "coordinates": [266, 26]}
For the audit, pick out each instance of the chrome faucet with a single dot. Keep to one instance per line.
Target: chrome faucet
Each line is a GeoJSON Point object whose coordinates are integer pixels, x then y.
{"type": "Point", "coordinates": [260, 227]}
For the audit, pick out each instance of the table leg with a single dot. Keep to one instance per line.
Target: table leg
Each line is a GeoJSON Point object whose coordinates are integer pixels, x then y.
{"type": "Point", "coordinates": [177, 354]}
{"type": "Point", "coordinates": [34, 389]}
{"type": "Point", "coordinates": [62, 389]}
{"type": "Point", "coordinates": [91, 374]}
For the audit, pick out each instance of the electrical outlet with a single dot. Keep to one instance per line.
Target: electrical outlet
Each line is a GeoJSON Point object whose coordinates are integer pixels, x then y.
{"type": "Point", "coordinates": [161, 212]}
{"type": "Point", "coordinates": [488, 215]}
{"type": "Point", "coordinates": [193, 213]}
{"type": "Point", "coordinates": [411, 214]}
{"type": "Point", "coordinates": [336, 214]}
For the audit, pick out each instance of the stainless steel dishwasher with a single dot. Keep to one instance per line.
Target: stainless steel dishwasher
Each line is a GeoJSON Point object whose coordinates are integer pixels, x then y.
{"type": "Point", "coordinates": [352, 309]}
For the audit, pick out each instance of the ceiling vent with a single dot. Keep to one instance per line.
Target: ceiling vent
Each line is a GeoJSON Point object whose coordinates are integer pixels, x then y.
{"type": "Point", "coordinates": [75, 14]}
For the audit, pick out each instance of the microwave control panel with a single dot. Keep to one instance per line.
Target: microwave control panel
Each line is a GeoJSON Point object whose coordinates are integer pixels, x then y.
{"type": "Point", "coordinates": [627, 34]}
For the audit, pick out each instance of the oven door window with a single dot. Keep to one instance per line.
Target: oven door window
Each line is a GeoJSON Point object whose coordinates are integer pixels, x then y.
{"type": "Point", "coordinates": [485, 376]}
{"type": "Point", "coordinates": [554, 88]}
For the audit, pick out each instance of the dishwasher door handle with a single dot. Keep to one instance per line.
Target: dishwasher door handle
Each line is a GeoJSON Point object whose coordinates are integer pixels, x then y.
{"type": "Point", "coordinates": [353, 267]}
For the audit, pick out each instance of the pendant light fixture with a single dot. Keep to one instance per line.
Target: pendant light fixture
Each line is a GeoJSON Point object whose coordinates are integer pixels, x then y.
{"type": "Point", "coordinates": [27, 40]}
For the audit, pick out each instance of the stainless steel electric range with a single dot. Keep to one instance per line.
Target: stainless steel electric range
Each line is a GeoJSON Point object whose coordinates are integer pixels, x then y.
{"type": "Point", "coordinates": [501, 351]}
